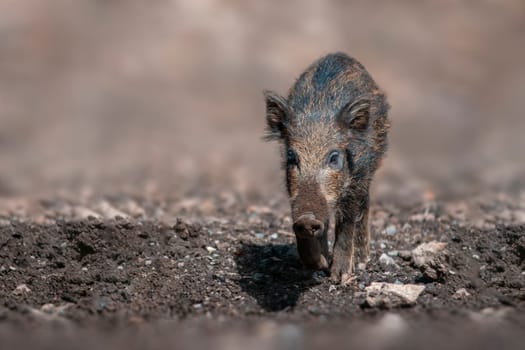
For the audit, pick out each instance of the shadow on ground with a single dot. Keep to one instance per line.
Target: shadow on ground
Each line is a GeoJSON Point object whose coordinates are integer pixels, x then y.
{"type": "Point", "coordinates": [273, 275]}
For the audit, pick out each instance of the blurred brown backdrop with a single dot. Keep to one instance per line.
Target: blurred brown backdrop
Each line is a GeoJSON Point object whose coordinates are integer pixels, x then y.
{"type": "Point", "coordinates": [166, 95]}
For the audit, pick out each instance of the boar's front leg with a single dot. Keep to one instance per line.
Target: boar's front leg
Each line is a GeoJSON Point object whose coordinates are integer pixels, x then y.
{"type": "Point", "coordinates": [362, 234]}
{"type": "Point", "coordinates": [343, 253]}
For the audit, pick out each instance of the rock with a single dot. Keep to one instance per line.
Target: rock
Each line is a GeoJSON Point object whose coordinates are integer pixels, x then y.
{"type": "Point", "coordinates": [389, 295]}
{"type": "Point", "coordinates": [427, 257]}
{"type": "Point", "coordinates": [386, 260]}
{"type": "Point", "coordinates": [461, 293]}
{"type": "Point", "coordinates": [4, 223]}
{"type": "Point", "coordinates": [211, 249]}
{"type": "Point", "coordinates": [427, 251]}
{"type": "Point", "coordinates": [186, 230]}
{"type": "Point", "coordinates": [52, 309]}
{"type": "Point", "coordinates": [21, 289]}
{"type": "Point", "coordinates": [390, 230]}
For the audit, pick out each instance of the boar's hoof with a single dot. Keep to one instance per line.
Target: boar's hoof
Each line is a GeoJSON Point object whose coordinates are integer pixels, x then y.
{"type": "Point", "coordinates": [341, 271]}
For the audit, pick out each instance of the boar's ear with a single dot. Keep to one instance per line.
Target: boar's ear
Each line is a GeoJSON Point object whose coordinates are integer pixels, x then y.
{"type": "Point", "coordinates": [276, 116]}
{"type": "Point", "coordinates": [355, 115]}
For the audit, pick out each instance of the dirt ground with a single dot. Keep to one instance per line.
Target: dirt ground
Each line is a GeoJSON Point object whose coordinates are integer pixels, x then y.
{"type": "Point", "coordinates": [139, 207]}
{"type": "Point", "coordinates": [225, 269]}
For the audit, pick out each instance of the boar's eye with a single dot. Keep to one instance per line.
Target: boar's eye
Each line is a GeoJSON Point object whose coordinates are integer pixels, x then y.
{"type": "Point", "coordinates": [335, 161]}
{"type": "Point", "coordinates": [291, 158]}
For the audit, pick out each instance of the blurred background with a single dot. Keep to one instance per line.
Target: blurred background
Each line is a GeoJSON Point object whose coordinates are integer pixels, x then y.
{"type": "Point", "coordinates": [166, 95]}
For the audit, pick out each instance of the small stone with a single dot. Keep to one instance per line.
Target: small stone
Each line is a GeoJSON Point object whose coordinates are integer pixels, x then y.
{"type": "Point", "coordinates": [259, 235]}
{"type": "Point", "coordinates": [21, 289]}
{"type": "Point", "coordinates": [48, 308]}
{"type": "Point", "coordinates": [428, 257]}
{"type": "Point", "coordinates": [393, 253]}
{"type": "Point", "coordinates": [390, 230]}
{"type": "Point", "coordinates": [147, 262]}
{"type": "Point", "coordinates": [427, 251]}
{"type": "Point", "coordinates": [388, 295]}
{"type": "Point", "coordinates": [84, 269]}
{"type": "Point", "coordinates": [382, 246]}
{"type": "Point", "coordinates": [475, 256]}
{"type": "Point", "coordinates": [4, 223]}
{"type": "Point", "coordinates": [461, 293]}
{"type": "Point", "coordinates": [332, 288]}
{"type": "Point", "coordinates": [274, 236]}
{"type": "Point", "coordinates": [386, 260]}
{"type": "Point", "coordinates": [210, 249]}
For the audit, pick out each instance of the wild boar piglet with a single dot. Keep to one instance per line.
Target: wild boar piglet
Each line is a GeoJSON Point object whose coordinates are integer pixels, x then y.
{"type": "Point", "coordinates": [333, 129]}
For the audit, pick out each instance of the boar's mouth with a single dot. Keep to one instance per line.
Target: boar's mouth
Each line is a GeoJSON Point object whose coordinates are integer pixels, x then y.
{"type": "Point", "coordinates": [309, 211]}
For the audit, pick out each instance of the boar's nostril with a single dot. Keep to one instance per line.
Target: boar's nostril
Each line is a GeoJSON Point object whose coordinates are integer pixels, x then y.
{"type": "Point", "coordinates": [308, 225]}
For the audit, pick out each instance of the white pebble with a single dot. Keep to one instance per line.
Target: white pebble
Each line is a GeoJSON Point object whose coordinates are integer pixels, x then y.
{"type": "Point", "coordinates": [386, 260]}
{"type": "Point", "coordinates": [391, 230]}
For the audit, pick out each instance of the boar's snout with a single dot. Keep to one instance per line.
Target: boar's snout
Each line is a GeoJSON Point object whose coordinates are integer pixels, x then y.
{"type": "Point", "coordinates": [308, 226]}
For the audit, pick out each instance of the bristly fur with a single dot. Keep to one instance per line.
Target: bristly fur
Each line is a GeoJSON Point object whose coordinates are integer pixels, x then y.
{"type": "Point", "coordinates": [334, 105]}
